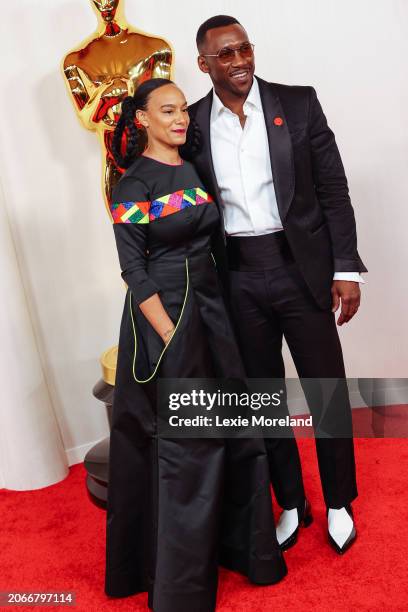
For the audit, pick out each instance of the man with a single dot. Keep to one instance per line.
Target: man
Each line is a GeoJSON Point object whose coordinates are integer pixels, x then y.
{"type": "Point", "coordinates": [272, 163]}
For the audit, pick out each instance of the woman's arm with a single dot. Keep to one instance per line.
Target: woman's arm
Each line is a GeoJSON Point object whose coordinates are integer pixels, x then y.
{"type": "Point", "coordinates": [129, 210]}
{"type": "Point", "coordinates": [157, 316]}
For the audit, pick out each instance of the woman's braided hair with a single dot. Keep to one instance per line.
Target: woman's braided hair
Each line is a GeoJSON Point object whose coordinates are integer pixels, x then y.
{"type": "Point", "coordinates": [136, 137]}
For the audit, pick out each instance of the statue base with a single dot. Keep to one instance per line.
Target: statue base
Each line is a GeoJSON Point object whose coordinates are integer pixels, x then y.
{"type": "Point", "coordinates": [96, 461]}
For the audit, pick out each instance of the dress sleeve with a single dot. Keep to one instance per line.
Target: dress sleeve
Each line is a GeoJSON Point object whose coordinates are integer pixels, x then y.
{"type": "Point", "coordinates": [130, 214]}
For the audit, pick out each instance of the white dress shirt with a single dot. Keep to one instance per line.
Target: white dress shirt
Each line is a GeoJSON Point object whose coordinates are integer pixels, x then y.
{"type": "Point", "coordinates": [243, 170]}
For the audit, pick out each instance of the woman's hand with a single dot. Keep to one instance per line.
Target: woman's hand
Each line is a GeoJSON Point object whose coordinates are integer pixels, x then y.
{"type": "Point", "coordinates": [166, 337]}
{"type": "Point", "coordinates": [158, 318]}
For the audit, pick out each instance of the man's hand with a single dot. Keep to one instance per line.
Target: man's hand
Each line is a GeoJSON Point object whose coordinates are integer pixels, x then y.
{"type": "Point", "coordinates": [349, 294]}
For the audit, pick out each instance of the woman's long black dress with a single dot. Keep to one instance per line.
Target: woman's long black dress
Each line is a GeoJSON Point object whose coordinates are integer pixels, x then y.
{"type": "Point", "coordinates": [177, 508]}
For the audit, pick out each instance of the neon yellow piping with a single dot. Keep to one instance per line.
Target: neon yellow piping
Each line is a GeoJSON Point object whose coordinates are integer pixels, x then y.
{"type": "Point", "coordinates": [168, 344]}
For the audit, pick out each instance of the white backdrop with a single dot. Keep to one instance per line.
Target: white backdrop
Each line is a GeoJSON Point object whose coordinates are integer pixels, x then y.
{"type": "Point", "coordinates": [353, 52]}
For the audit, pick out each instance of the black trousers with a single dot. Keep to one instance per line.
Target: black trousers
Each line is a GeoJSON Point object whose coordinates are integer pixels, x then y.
{"type": "Point", "coordinates": [270, 300]}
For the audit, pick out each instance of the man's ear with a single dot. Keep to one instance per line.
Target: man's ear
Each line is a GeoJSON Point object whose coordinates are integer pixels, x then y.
{"type": "Point", "coordinates": [202, 64]}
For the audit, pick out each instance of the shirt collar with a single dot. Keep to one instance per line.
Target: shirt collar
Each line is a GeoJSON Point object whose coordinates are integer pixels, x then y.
{"type": "Point", "coordinates": [253, 101]}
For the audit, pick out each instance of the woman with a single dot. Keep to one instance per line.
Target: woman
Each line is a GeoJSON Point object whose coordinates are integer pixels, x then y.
{"type": "Point", "coordinates": [175, 507]}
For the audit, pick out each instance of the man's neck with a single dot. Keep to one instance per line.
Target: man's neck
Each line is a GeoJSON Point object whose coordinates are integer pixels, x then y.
{"type": "Point", "coordinates": [234, 102]}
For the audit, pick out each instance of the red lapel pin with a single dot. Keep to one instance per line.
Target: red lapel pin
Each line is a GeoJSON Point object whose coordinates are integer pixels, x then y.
{"type": "Point", "coordinates": [278, 121]}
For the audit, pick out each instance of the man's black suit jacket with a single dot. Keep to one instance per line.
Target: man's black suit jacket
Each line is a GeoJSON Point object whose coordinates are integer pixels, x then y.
{"type": "Point", "coordinates": [310, 184]}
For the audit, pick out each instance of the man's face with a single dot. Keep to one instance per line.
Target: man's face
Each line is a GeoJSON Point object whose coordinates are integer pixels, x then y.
{"type": "Point", "coordinates": [107, 8]}
{"type": "Point", "coordinates": [236, 75]}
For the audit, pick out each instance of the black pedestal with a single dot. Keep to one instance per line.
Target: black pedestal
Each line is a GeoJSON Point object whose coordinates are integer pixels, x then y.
{"type": "Point", "coordinates": [97, 459]}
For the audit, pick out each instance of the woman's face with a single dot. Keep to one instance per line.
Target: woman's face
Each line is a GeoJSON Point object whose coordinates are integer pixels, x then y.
{"type": "Point", "coordinates": [165, 118]}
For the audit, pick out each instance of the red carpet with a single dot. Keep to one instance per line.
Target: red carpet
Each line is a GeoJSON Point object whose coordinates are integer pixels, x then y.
{"type": "Point", "coordinates": [53, 539]}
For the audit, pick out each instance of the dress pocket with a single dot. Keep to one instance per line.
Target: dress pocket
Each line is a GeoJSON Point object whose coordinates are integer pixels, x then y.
{"type": "Point", "coordinates": [165, 348]}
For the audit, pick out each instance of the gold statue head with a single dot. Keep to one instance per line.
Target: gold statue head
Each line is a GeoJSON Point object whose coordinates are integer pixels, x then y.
{"type": "Point", "coordinates": [106, 9]}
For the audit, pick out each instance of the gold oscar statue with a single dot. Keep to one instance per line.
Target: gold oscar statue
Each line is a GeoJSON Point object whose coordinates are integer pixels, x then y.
{"type": "Point", "coordinates": [100, 72]}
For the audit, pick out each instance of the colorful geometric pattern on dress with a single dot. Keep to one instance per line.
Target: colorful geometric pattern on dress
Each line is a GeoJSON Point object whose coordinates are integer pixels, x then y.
{"type": "Point", "coordinates": [130, 212]}
{"type": "Point", "coordinates": [174, 202]}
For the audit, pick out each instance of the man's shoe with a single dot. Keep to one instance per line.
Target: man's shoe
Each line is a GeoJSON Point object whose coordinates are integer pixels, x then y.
{"type": "Point", "coordinates": [287, 529]}
{"type": "Point", "coordinates": [341, 529]}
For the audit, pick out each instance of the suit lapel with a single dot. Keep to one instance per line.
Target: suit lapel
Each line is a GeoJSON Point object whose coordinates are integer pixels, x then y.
{"type": "Point", "coordinates": [280, 147]}
{"type": "Point", "coordinates": [203, 159]}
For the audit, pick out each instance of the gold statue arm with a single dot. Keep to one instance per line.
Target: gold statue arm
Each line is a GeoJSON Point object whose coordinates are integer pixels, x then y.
{"type": "Point", "coordinates": [162, 64]}
{"type": "Point", "coordinates": [76, 82]}
{"type": "Point", "coordinates": [87, 95]}
{"type": "Point", "coordinates": [156, 65]}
